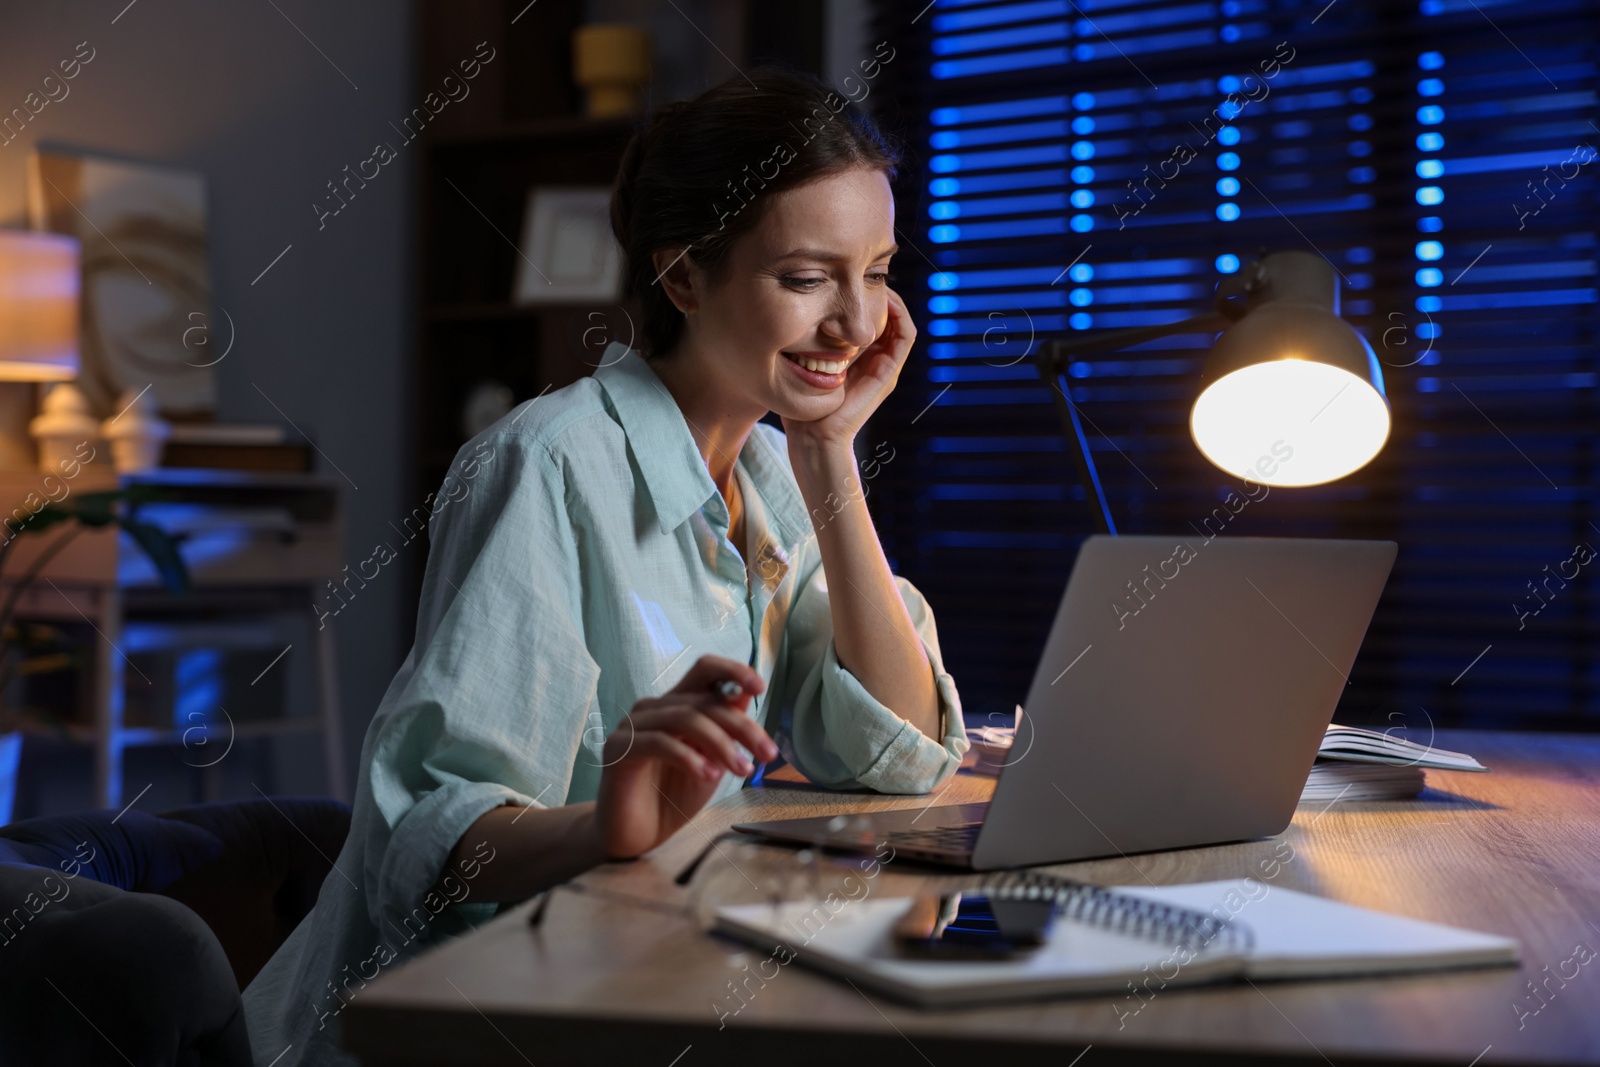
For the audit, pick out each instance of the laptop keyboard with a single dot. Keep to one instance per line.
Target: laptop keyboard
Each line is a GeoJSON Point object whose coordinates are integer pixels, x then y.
{"type": "Point", "coordinates": [944, 838]}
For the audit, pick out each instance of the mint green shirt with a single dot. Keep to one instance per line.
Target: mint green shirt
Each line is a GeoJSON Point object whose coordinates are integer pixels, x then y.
{"type": "Point", "coordinates": [579, 562]}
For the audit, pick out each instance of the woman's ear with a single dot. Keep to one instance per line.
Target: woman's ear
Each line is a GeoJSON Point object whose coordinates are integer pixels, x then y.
{"type": "Point", "coordinates": [673, 275]}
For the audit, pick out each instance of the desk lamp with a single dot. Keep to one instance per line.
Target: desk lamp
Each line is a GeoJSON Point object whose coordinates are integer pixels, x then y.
{"type": "Point", "coordinates": [1286, 369]}
{"type": "Point", "coordinates": [39, 283]}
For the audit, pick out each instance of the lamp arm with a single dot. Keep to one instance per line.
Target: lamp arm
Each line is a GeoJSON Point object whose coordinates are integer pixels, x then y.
{"type": "Point", "coordinates": [1078, 446]}
{"type": "Point", "coordinates": [1056, 355]}
{"type": "Point", "coordinates": [1053, 359]}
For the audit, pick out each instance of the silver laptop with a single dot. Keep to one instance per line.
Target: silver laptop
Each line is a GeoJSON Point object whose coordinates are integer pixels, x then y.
{"type": "Point", "coordinates": [1180, 701]}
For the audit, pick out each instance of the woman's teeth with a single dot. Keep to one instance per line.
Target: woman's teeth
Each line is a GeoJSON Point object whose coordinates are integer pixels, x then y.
{"type": "Point", "coordinates": [820, 366]}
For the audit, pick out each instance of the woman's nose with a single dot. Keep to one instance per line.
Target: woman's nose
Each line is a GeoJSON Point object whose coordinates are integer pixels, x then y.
{"type": "Point", "coordinates": [855, 319]}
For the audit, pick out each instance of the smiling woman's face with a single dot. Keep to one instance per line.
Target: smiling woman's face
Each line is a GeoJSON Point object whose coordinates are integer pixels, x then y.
{"type": "Point", "coordinates": [801, 295]}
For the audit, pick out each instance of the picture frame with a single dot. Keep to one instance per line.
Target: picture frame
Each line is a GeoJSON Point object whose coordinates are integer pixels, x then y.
{"type": "Point", "coordinates": [567, 253]}
{"type": "Point", "coordinates": [147, 309]}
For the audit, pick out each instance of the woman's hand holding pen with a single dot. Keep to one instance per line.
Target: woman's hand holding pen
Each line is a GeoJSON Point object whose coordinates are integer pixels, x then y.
{"type": "Point", "coordinates": [664, 761]}
{"type": "Point", "coordinates": [660, 766]}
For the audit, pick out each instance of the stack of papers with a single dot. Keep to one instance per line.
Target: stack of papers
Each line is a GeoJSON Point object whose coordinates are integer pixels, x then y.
{"type": "Point", "coordinates": [991, 746]}
{"type": "Point", "coordinates": [1332, 780]}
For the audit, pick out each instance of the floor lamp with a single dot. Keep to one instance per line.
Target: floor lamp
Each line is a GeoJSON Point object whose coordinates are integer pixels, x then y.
{"type": "Point", "coordinates": [1286, 369]}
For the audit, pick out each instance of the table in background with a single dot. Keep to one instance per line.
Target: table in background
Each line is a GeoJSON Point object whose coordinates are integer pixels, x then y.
{"type": "Point", "coordinates": [257, 544]}
{"type": "Point", "coordinates": [612, 981]}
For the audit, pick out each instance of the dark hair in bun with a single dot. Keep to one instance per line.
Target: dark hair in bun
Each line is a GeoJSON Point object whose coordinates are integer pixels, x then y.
{"type": "Point", "coordinates": [700, 173]}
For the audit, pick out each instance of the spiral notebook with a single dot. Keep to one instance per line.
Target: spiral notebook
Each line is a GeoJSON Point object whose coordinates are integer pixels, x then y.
{"type": "Point", "coordinates": [1106, 938]}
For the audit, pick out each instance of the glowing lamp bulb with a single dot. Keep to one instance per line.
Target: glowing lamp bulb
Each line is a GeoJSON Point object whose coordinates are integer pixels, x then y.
{"type": "Point", "coordinates": [1290, 421]}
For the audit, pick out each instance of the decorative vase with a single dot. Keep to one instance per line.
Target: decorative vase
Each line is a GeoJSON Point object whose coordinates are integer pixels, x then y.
{"type": "Point", "coordinates": [611, 60]}
{"type": "Point", "coordinates": [62, 427]}
{"type": "Point", "coordinates": [137, 434]}
{"type": "Point", "coordinates": [487, 403]}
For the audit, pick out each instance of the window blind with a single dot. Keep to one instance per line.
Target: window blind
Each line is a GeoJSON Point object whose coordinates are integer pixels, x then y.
{"type": "Point", "coordinates": [1089, 165]}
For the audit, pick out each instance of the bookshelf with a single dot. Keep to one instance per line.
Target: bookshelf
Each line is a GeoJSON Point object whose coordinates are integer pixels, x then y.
{"type": "Point", "coordinates": [515, 124]}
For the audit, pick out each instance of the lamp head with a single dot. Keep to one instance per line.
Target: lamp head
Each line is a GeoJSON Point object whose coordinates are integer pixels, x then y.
{"type": "Point", "coordinates": [1294, 394]}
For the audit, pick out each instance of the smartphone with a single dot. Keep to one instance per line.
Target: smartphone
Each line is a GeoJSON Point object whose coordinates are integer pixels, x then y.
{"type": "Point", "coordinates": [973, 925]}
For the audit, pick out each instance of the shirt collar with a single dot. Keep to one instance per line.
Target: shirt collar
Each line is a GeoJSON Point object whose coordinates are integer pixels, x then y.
{"type": "Point", "coordinates": [674, 474]}
{"type": "Point", "coordinates": [769, 470]}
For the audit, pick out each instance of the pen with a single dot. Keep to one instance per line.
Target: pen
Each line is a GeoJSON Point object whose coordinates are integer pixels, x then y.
{"type": "Point", "coordinates": [730, 690]}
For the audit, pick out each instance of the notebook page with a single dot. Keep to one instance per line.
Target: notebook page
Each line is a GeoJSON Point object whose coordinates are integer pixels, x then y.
{"type": "Point", "coordinates": [1300, 935]}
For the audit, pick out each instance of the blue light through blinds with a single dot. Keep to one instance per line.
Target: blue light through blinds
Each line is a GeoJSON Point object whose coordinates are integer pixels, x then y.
{"type": "Point", "coordinates": [1097, 165]}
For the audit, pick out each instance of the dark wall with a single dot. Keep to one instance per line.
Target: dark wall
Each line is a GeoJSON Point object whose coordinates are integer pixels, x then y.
{"type": "Point", "coordinates": [269, 110]}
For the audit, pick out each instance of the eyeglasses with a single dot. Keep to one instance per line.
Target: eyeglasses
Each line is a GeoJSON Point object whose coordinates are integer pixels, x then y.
{"type": "Point", "coordinates": [733, 868]}
{"type": "Point", "coordinates": [746, 871]}
{"type": "Point", "coordinates": [736, 869]}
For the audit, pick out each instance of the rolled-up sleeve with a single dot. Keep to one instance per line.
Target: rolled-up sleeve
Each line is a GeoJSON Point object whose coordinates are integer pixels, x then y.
{"type": "Point", "coordinates": [493, 701]}
{"type": "Point", "coordinates": [836, 733]}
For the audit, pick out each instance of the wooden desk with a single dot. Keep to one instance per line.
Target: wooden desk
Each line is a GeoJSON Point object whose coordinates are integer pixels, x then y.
{"type": "Point", "coordinates": [1514, 852]}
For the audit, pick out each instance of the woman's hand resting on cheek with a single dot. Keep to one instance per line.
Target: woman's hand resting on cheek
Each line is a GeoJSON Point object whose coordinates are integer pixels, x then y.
{"type": "Point", "coordinates": [869, 380]}
{"type": "Point", "coordinates": [663, 761]}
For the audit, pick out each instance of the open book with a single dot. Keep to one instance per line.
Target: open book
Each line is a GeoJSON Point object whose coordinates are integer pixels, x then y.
{"type": "Point", "coordinates": [1357, 764]}
{"type": "Point", "coordinates": [1113, 940]}
{"type": "Point", "coordinates": [1372, 746]}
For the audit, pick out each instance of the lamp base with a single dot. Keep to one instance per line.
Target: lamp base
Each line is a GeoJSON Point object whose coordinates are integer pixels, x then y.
{"type": "Point", "coordinates": [18, 402]}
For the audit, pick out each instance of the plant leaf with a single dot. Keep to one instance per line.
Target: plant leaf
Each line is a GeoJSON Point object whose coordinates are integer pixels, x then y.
{"type": "Point", "coordinates": [162, 550]}
{"type": "Point", "coordinates": [43, 519]}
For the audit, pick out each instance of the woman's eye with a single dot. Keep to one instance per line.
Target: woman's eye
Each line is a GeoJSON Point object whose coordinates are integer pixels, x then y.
{"type": "Point", "coordinates": [807, 285]}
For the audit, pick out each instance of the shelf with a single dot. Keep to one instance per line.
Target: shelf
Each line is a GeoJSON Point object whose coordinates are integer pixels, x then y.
{"type": "Point", "coordinates": [136, 736]}
{"type": "Point", "coordinates": [487, 311]}
{"type": "Point", "coordinates": [492, 311]}
{"type": "Point", "coordinates": [564, 126]}
{"type": "Point", "coordinates": [77, 733]}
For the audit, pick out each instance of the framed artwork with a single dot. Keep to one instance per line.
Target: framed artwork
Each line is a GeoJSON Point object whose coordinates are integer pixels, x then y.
{"type": "Point", "coordinates": [146, 276]}
{"type": "Point", "coordinates": [567, 254]}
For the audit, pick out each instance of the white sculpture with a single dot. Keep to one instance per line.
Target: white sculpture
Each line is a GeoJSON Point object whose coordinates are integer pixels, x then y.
{"type": "Point", "coordinates": [137, 434]}
{"type": "Point", "coordinates": [63, 426]}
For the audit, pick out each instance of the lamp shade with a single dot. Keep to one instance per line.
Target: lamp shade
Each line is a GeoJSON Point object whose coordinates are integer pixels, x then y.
{"type": "Point", "coordinates": [39, 283]}
{"type": "Point", "coordinates": [1294, 394]}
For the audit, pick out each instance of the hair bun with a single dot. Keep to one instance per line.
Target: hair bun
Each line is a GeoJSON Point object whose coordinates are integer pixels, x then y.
{"type": "Point", "coordinates": [667, 109]}
{"type": "Point", "coordinates": [648, 133]}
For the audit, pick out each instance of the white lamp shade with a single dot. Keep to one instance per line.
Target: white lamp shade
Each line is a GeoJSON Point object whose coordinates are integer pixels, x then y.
{"type": "Point", "coordinates": [1290, 422]}
{"type": "Point", "coordinates": [1294, 394]}
{"type": "Point", "coordinates": [39, 286]}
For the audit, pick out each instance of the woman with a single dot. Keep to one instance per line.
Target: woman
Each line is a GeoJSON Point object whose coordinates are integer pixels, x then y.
{"type": "Point", "coordinates": [621, 547]}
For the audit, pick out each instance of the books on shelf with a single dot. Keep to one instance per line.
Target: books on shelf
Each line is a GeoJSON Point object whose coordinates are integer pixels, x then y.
{"type": "Point", "coordinates": [236, 446]}
{"type": "Point", "coordinates": [228, 433]}
{"type": "Point", "coordinates": [1352, 763]}
{"type": "Point", "coordinates": [1111, 940]}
